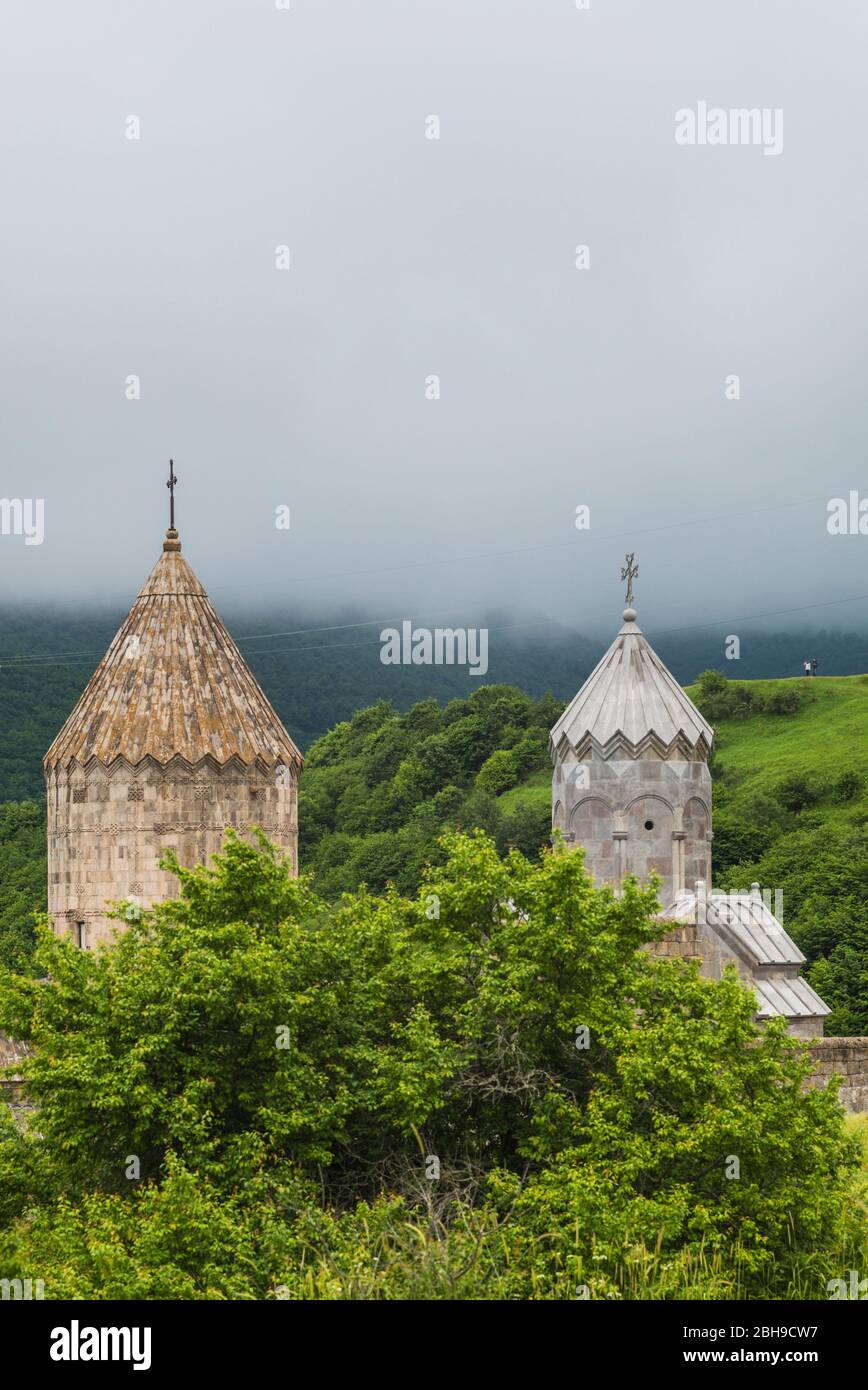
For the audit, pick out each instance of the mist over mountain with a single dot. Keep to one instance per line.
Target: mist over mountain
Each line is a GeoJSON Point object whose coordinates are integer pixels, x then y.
{"type": "Point", "coordinates": [317, 673]}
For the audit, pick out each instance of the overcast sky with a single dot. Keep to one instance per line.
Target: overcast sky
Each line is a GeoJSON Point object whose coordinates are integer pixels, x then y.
{"type": "Point", "coordinates": [412, 257]}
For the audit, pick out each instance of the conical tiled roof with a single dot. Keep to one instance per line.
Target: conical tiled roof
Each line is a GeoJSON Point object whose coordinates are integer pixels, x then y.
{"type": "Point", "coordinates": [630, 700]}
{"type": "Point", "coordinates": [173, 684]}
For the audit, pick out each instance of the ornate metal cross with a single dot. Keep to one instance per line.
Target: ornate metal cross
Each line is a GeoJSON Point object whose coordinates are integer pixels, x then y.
{"type": "Point", "coordinates": [630, 572]}
{"type": "Point", "coordinates": [171, 486]}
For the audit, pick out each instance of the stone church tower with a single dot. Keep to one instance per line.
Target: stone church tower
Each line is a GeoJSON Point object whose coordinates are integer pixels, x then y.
{"type": "Point", "coordinates": [172, 741]}
{"type": "Point", "coordinates": [632, 787]}
{"type": "Point", "coordinates": [631, 781]}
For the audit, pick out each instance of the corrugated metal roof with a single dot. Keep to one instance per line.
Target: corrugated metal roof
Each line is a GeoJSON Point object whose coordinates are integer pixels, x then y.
{"type": "Point", "coordinates": [790, 997]}
{"type": "Point", "coordinates": [630, 696]}
{"type": "Point", "coordinates": [745, 923]}
{"type": "Point", "coordinates": [755, 926]}
{"type": "Point", "coordinates": [747, 920]}
{"type": "Point", "coordinates": [173, 683]}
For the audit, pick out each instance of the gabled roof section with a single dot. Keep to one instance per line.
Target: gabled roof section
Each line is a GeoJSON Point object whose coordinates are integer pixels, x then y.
{"type": "Point", "coordinates": [746, 924]}
{"type": "Point", "coordinates": [744, 921]}
{"type": "Point", "coordinates": [631, 703]}
{"type": "Point", "coordinates": [173, 684]}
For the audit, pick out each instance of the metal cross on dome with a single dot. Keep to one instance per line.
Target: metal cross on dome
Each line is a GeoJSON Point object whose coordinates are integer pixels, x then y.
{"type": "Point", "coordinates": [171, 486]}
{"type": "Point", "coordinates": [630, 572]}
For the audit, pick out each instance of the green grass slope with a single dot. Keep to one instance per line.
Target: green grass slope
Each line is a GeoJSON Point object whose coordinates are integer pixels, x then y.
{"type": "Point", "coordinates": [826, 736]}
{"type": "Point", "coordinates": [791, 811]}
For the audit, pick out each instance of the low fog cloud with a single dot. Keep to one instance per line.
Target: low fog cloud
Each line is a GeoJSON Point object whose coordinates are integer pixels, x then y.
{"type": "Point", "coordinates": [430, 278]}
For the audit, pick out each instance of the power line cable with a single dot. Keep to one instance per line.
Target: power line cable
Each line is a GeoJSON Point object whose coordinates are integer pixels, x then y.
{"type": "Point", "coordinates": [500, 627]}
{"type": "Point", "coordinates": [34, 658]}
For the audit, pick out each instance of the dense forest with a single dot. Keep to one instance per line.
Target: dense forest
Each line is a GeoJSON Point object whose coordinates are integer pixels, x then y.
{"type": "Point", "coordinates": [379, 788]}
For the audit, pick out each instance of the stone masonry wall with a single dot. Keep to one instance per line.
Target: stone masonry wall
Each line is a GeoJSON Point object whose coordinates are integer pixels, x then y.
{"type": "Point", "coordinates": [848, 1057]}
{"type": "Point", "coordinates": [698, 942]}
{"type": "Point", "coordinates": [108, 827]}
{"type": "Point", "coordinates": [637, 816]}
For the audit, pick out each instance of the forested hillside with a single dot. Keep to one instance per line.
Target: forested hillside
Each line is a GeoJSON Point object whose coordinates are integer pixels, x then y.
{"type": "Point", "coordinates": [22, 878]}
{"type": "Point", "coordinates": [378, 789]}
{"type": "Point", "coordinates": [790, 807]}
{"type": "Point", "coordinates": [313, 679]}
{"type": "Point", "coordinates": [319, 672]}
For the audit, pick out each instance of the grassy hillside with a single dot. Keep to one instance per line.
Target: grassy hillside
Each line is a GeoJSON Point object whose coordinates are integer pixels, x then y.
{"type": "Point", "coordinates": [534, 790]}
{"type": "Point", "coordinates": [826, 736]}
{"type": "Point", "coordinates": [791, 811]}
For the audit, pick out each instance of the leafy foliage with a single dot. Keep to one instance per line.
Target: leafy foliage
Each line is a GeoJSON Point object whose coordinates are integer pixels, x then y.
{"type": "Point", "coordinates": [435, 1127]}
{"type": "Point", "coordinates": [22, 879]}
{"type": "Point", "coordinates": [719, 698]}
{"type": "Point", "coordinates": [378, 789]}
{"type": "Point", "coordinates": [790, 812]}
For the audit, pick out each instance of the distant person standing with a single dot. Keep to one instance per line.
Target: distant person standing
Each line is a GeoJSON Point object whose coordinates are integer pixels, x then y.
{"type": "Point", "coordinates": [814, 666]}
{"type": "Point", "coordinates": [807, 666]}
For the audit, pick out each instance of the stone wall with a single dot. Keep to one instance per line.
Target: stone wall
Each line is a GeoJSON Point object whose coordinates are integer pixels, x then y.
{"type": "Point", "coordinates": [637, 816]}
{"type": "Point", "coordinates": [108, 827]}
{"type": "Point", "coordinates": [12, 1054]}
{"type": "Point", "coordinates": [700, 943]}
{"type": "Point", "coordinates": [848, 1057]}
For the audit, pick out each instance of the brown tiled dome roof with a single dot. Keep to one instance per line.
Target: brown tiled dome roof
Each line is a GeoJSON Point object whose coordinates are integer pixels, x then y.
{"type": "Point", "coordinates": [173, 684]}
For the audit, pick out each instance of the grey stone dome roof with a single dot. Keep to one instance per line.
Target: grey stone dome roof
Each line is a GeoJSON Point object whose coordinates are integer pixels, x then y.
{"type": "Point", "coordinates": [631, 702]}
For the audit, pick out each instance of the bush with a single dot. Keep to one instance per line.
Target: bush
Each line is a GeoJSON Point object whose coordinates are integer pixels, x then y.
{"type": "Point", "coordinates": [498, 773]}
{"type": "Point", "coordinates": [531, 750]}
{"type": "Point", "coordinates": [712, 682]}
{"type": "Point", "coordinates": [847, 786]}
{"type": "Point", "coordinates": [717, 698]}
{"type": "Point", "coordinates": [738, 839]}
{"type": "Point", "coordinates": [527, 828]}
{"type": "Point", "coordinates": [787, 700]}
{"type": "Point", "coordinates": [795, 793]}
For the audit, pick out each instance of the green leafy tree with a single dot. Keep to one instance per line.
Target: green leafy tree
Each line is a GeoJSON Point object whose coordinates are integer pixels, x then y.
{"type": "Point", "coordinates": [498, 773]}
{"type": "Point", "coordinates": [283, 1070]}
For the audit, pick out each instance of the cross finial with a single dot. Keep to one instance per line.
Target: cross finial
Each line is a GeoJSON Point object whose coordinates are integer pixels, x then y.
{"type": "Point", "coordinates": [171, 486]}
{"type": "Point", "coordinates": [171, 542]}
{"type": "Point", "coordinates": [630, 572]}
